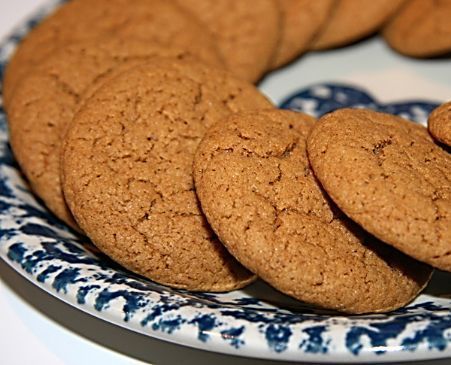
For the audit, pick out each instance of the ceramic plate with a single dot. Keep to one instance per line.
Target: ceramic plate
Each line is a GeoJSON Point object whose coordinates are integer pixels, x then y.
{"type": "Point", "coordinates": [257, 321]}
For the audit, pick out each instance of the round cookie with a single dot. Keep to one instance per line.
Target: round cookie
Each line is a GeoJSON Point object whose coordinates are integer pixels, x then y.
{"type": "Point", "coordinates": [247, 32]}
{"type": "Point", "coordinates": [421, 29]}
{"type": "Point", "coordinates": [302, 20]}
{"type": "Point", "coordinates": [259, 194]}
{"type": "Point", "coordinates": [47, 98]}
{"type": "Point", "coordinates": [158, 21]}
{"type": "Point", "coordinates": [350, 21]}
{"type": "Point", "coordinates": [127, 171]}
{"type": "Point", "coordinates": [388, 175]}
{"type": "Point", "coordinates": [439, 123]}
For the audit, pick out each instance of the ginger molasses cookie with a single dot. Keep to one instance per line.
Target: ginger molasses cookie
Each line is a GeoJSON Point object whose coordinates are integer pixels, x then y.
{"type": "Point", "coordinates": [48, 96]}
{"type": "Point", "coordinates": [421, 28]}
{"type": "Point", "coordinates": [259, 194]}
{"type": "Point", "coordinates": [388, 175]}
{"type": "Point", "coordinates": [247, 32]}
{"type": "Point", "coordinates": [302, 21]}
{"type": "Point", "coordinates": [352, 20]}
{"type": "Point", "coordinates": [439, 124]}
{"type": "Point", "coordinates": [127, 171]}
{"type": "Point", "coordinates": [158, 21]}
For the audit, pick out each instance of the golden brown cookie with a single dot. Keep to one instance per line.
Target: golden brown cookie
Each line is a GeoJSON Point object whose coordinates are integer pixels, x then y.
{"type": "Point", "coordinates": [259, 194]}
{"type": "Point", "coordinates": [158, 21]}
{"type": "Point", "coordinates": [47, 98]}
{"type": "Point", "coordinates": [352, 20]}
{"type": "Point", "coordinates": [247, 32]}
{"type": "Point", "coordinates": [439, 123]}
{"type": "Point", "coordinates": [388, 175]}
{"type": "Point", "coordinates": [421, 28]}
{"type": "Point", "coordinates": [302, 21]}
{"type": "Point", "coordinates": [127, 171]}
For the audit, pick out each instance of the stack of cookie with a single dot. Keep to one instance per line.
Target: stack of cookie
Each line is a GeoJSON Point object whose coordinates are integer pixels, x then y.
{"type": "Point", "coordinates": [110, 106]}
{"type": "Point", "coordinates": [300, 203]}
{"type": "Point", "coordinates": [248, 39]}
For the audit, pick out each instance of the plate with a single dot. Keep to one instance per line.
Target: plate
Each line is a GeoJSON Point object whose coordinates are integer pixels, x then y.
{"type": "Point", "coordinates": [257, 321]}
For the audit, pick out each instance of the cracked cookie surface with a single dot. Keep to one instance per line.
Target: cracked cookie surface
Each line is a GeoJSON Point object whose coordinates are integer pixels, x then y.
{"type": "Point", "coordinates": [127, 171]}
{"type": "Point", "coordinates": [158, 21]}
{"type": "Point", "coordinates": [388, 175]}
{"type": "Point", "coordinates": [439, 123]}
{"type": "Point", "coordinates": [47, 98]}
{"type": "Point", "coordinates": [259, 194]}
{"type": "Point", "coordinates": [247, 32]}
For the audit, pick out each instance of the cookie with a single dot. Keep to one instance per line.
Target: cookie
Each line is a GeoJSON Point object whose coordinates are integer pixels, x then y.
{"type": "Point", "coordinates": [302, 21]}
{"type": "Point", "coordinates": [247, 32]}
{"type": "Point", "coordinates": [48, 97]}
{"type": "Point", "coordinates": [439, 124]}
{"type": "Point", "coordinates": [158, 21]}
{"type": "Point", "coordinates": [421, 29]}
{"type": "Point", "coordinates": [350, 21]}
{"type": "Point", "coordinates": [127, 171]}
{"type": "Point", "coordinates": [259, 194]}
{"type": "Point", "coordinates": [388, 175]}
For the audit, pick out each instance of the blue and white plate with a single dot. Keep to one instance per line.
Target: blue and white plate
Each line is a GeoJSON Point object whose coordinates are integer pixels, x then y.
{"type": "Point", "coordinates": [256, 321]}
